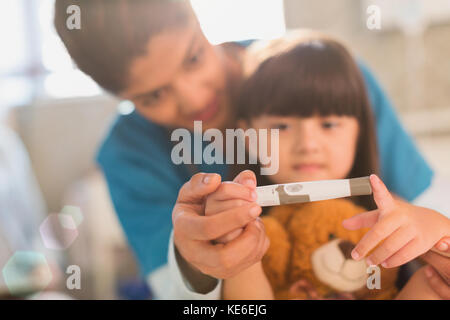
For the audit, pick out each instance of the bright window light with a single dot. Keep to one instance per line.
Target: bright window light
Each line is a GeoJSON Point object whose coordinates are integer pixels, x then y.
{"type": "Point", "coordinates": [70, 83]}
{"type": "Point", "coordinates": [13, 51]}
{"type": "Point", "coordinates": [54, 55]}
{"type": "Point", "coordinates": [237, 20]}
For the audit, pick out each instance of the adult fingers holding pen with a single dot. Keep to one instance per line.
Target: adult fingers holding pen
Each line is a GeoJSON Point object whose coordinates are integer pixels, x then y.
{"type": "Point", "coordinates": [198, 255]}
{"type": "Point", "coordinates": [438, 270]}
{"type": "Point", "coordinates": [437, 283]}
{"type": "Point", "coordinates": [432, 281]}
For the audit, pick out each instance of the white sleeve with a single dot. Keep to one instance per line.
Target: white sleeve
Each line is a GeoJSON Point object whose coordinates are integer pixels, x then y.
{"type": "Point", "coordinates": [168, 283]}
{"type": "Point", "coordinates": [436, 196]}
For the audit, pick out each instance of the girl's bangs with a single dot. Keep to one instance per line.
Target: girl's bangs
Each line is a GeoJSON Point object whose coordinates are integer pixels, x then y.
{"type": "Point", "coordinates": [309, 80]}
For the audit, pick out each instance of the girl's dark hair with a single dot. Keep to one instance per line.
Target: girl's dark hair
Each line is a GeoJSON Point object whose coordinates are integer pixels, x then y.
{"type": "Point", "coordinates": [115, 32]}
{"type": "Point", "coordinates": [316, 76]}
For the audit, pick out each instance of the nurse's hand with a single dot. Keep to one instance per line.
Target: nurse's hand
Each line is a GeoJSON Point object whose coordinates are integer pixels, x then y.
{"type": "Point", "coordinates": [193, 234]}
{"type": "Point", "coordinates": [438, 272]}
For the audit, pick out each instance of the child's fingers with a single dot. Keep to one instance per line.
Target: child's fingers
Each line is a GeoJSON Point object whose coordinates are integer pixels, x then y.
{"type": "Point", "coordinates": [266, 241]}
{"type": "Point", "coordinates": [214, 207]}
{"type": "Point", "coordinates": [363, 220]}
{"type": "Point", "coordinates": [443, 245]}
{"type": "Point", "coordinates": [215, 226]}
{"type": "Point", "coordinates": [232, 190]}
{"type": "Point", "coordinates": [253, 230]}
{"type": "Point", "coordinates": [378, 233]}
{"type": "Point", "coordinates": [229, 236]}
{"type": "Point", "coordinates": [390, 245]}
{"type": "Point", "coordinates": [229, 195]}
{"type": "Point", "coordinates": [246, 178]}
{"type": "Point", "coordinates": [409, 252]}
{"type": "Point", "coordinates": [383, 198]}
{"type": "Point", "coordinates": [238, 254]}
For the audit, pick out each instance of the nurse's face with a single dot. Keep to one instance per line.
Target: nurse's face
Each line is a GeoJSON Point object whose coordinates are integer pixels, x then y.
{"type": "Point", "coordinates": [181, 78]}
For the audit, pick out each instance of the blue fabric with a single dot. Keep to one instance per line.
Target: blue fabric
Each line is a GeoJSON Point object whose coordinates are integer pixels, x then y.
{"type": "Point", "coordinates": [144, 183]}
{"type": "Point", "coordinates": [403, 169]}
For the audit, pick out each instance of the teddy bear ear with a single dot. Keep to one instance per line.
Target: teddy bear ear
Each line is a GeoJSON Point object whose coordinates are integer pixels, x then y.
{"type": "Point", "coordinates": [276, 260]}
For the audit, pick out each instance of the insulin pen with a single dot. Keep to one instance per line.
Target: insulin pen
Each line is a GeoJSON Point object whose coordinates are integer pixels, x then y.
{"type": "Point", "coordinates": [298, 192]}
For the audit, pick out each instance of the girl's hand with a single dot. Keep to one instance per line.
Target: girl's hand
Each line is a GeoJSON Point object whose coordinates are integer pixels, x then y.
{"type": "Point", "coordinates": [399, 231]}
{"type": "Point", "coordinates": [231, 195]}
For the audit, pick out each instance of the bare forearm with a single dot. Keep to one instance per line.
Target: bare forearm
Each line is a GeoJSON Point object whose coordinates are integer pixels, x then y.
{"type": "Point", "coordinates": [250, 284]}
{"type": "Point", "coordinates": [201, 283]}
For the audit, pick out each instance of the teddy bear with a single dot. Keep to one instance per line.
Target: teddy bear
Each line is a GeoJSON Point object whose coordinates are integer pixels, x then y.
{"type": "Point", "coordinates": [310, 254]}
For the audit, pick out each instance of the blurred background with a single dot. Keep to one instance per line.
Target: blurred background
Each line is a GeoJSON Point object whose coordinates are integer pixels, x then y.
{"type": "Point", "coordinates": [53, 117]}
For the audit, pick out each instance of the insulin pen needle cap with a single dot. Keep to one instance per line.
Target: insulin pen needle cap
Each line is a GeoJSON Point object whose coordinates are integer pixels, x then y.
{"type": "Point", "coordinates": [360, 186]}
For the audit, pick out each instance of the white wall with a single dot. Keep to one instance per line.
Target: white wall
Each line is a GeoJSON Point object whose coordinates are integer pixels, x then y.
{"type": "Point", "coordinates": [62, 138]}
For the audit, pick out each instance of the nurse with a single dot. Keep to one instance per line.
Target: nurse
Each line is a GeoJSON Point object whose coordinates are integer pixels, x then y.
{"type": "Point", "coordinates": [155, 54]}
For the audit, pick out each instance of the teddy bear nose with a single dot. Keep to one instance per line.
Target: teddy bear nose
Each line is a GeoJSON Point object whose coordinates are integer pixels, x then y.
{"type": "Point", "coordinates": [346, 248]}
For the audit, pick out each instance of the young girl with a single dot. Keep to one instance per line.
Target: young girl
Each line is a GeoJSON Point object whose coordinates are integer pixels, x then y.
{"type": "Point", "coordinates": [311, 90]}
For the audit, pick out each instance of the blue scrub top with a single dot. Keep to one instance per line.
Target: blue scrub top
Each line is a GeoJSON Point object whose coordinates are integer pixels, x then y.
{"type": "Point", "coordinates": [144, 183]}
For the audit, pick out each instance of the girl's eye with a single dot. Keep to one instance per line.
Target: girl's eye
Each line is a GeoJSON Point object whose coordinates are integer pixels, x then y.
{"type": "Point", "coordinates": [280, 126]}
{"type": "Point", "coordinates": [329, 124]}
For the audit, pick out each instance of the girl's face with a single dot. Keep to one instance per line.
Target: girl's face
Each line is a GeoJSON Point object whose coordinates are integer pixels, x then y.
{"type": "Point", "coordinates": [314, 148]}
